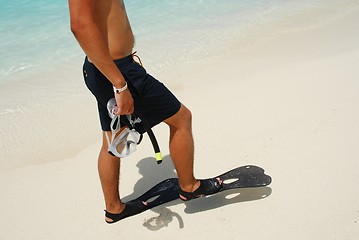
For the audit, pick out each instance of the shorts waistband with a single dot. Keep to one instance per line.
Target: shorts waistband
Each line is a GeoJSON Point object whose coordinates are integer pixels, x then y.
{"type": "Point", "coordinates": [124, 61]}
{"type": "Point", "coordinates": [121, 62]}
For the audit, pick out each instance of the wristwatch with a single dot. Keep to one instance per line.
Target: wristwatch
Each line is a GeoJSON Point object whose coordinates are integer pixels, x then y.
{"type": "Point", "coordinates": [120, 90]}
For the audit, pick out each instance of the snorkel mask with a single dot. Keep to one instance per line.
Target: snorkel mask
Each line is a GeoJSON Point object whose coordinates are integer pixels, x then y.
{"type": "Point", "coordinates": [125, 139]}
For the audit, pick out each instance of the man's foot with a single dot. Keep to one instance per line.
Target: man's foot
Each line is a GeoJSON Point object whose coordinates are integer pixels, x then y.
{"type": "Point", "coordinates": [110, 212]}
{"type": "Point", "coordinates": [207, 187]}
{"type": "Point", "coordinates": [128, 210]}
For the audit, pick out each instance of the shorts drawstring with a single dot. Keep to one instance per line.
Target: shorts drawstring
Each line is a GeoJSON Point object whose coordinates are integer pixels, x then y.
{"type": "Point", "coordinates": [134, 55]}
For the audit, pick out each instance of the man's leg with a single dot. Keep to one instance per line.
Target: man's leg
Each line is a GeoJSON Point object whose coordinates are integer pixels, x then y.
{"type": "Point", "coordinates": [182, 148]}
{"type": "Point", "coordinates": [109, 171]}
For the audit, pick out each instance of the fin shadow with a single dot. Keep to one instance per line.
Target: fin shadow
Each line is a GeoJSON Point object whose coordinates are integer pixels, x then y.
{"type": "Point", "coordinates": [228, 197]}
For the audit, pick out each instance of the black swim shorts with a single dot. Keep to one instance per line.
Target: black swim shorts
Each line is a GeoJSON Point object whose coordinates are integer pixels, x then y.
{"type": "Point", "coordinates": [152, 100]}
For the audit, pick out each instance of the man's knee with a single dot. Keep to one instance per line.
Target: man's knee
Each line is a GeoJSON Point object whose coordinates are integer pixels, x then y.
{"type": "Point", "coordinates": [187, 114]}
{"type": "Point", "coordinates": [183, 118]}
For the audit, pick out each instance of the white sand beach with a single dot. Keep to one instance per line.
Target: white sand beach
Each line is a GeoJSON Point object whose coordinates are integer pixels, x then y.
{"type": "Point", "coordinates": [289, 105]}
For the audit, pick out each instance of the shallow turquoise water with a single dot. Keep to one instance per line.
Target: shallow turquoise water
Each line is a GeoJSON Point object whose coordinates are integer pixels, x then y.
{"type": "Point", "coordinates": [35, 33]}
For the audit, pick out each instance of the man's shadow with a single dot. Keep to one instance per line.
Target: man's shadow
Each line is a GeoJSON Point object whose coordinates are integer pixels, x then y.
{"type": "Point", "coordinates": [153, 173]}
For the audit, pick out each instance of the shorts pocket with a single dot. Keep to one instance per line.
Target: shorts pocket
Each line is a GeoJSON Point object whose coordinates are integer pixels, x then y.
{"type": "Point", "coordinates": [136, 77]}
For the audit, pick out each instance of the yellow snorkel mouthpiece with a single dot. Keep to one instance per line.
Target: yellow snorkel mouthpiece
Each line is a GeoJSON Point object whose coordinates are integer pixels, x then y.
{"type": "Point", "coordinates": [158, 157]}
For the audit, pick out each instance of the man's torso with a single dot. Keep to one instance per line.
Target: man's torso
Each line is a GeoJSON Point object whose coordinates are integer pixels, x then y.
{"type": "Point", "coordinates": [112, 20]}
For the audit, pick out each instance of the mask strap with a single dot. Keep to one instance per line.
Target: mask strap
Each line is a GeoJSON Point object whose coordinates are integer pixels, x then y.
{"type": "Point", "coordinates": [108, 140]}
{"type": "Point", "coordinates": [114, 129]}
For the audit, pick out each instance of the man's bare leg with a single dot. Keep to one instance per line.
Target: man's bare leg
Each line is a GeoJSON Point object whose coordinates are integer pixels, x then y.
{"type": "Point", "coordinates": [109, 171]}
{"type": "Point", "coordinates": [182, 148]}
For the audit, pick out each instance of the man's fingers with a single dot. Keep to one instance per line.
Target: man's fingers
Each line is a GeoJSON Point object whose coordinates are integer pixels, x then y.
{"type": "Point", "coordinates": [124, 110]}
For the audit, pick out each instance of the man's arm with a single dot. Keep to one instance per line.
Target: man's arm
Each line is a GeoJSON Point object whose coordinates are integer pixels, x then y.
{"type": "Point", "coordinates": [88, 35]}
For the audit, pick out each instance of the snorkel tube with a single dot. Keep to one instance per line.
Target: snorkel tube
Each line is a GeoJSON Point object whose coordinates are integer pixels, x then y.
{"type": "Point", "coordinates": [154, 142]}
{"type": "Point", "coordinates": [152, 137]}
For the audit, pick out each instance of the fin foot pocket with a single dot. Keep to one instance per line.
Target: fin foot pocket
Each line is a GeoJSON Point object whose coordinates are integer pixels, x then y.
{"type": "Point", "coordinates": [128, 211]}
{"type": "Point", "coordinates": [207, 187]}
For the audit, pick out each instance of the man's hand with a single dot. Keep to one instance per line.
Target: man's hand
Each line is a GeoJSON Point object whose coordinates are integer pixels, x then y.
{"type": "Point", "coordinates": [124, 103]}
